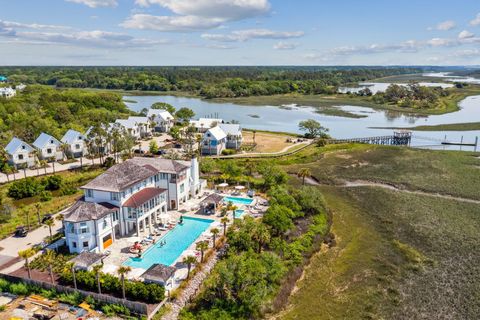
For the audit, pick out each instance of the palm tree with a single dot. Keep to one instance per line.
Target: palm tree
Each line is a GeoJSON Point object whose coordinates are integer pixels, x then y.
{"type": "Point", "coordinates": [7, 169]}
{"type": "Point", "coordinates": [24, 166]}
{"type": "Point", "coordinates": [27, 254]}
{"type": "Point", "coordinates": [189, 260]}
{"type": "Point", "coordinates": [123, 271]}
{"type": "Point", "coordinates": [49, 223]}
{"type": "Point", "coordinates": [97, 270]}
{"type": "Point", "coordinates": [224, 220]}
{"type": "Point", "coordinates": [254, 133]}
{"type": "Point", "coordinates": [27, 216]}
{"type": "Point", "coordinates": [214, 233]}
{"type": "Point", "coordinates": [202, 246]}
{"type": "Point", "coordinates": [232, 207]}
{"type": "Point", "coordinates": [261, 234]}
{"type": "Point", "coordinates": [70, 267]}
{"type": "Point", "coordinates": [304, 173]}
{"type": "Point", "coordinates": [44, 164]}
{"type": "Point", "coordinates": [37, 208]}
{"type": "Point", "coordinates": [50, 258]}
{"type": "Point", "coordinates": [60, 218]}
{"type": "Point", "coordinates": [64, 147]}
{"type": "Point", "coordinates": [35, 154]}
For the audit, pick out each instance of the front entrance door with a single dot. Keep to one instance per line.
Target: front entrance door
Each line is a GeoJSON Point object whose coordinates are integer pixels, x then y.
{"type": "Point", "coordinates": [173, 204]}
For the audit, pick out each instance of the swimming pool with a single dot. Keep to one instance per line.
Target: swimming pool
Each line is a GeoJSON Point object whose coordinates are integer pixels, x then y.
{"type": "Point", "coordinates": [176, 241]}
{"type": "Point", "coordinates": [239, 213]}
{"type": "Point", "coordinates": [238, 200]}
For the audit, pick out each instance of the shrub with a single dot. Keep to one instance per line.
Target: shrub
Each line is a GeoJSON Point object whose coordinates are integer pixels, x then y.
{"type": "Point", "coordinates": [45, 196]}
{"type": "Point", "coordinates": [19, 289]}
{"type": "Point", "coordinates": [68, 189]}
{"type": "Point", "coordinates": [227, 152]}
{"type": "Point", "coordinates": [52, 183]}
{"type": "Point", "coordinates": [4, 285]}
{"type": "Point", "coordinates": [24, 188]}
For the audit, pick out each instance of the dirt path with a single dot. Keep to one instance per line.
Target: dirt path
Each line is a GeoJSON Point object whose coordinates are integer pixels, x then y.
{"type": "Point", "coordinates": [284, 151]}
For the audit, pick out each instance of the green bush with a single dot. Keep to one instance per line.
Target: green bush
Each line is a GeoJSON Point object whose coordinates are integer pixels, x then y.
{"type": "Point", "coordinates": [227, 152]}
{"type": "Point", "coordinates": [4, 284]}
{"type": "Point", "coordinates": [45, 196]}
{"type": "Point", "coordinates": [19, 289]}
{"type": "Point", "coordinates": [24, 188]}
{"type": "Point", "coordinates": [52, 183]}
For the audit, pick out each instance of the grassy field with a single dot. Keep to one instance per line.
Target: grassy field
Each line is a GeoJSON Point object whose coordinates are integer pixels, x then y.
{"type": "Point", "coordinates": [398, 255]}
{"type": "Point", "coordinates": [268, 142]}
{"type": "Point", "coordinates": [27, 205]}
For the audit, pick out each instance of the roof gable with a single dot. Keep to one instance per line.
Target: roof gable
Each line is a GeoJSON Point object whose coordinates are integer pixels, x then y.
{"type": "Point", "coordinates": [217, 133]}
{"type": "Point", "coordinates": [43, 139]}
{"type": "Point", "coordinates": [15, 144]}
{"type": "Point", "coordinates": [231, 128]}
{"type": "Point", "coordinates": [71, 136]}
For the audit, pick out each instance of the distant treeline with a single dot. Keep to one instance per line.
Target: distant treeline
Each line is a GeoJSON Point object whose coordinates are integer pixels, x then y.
{"type": "Point", "coordinates": [209, 82]}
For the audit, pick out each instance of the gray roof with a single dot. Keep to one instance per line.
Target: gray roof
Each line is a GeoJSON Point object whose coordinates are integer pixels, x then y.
{"type": "Point", "coordinates": [162, 165]}
{"type": "Point", "coordinates": [231, 129]}
{"type": "Point", "coordinates": [16, 143]}
{"type": "Point", "coordinates": [159, 272]}
{"type": "Point", "coordinates": [86, 259]}
{"type": "Point", "coordinates": [43, 139]}
{"type": "Point", "coordinates": [85, 211]}
{"type": "Point", "coordinates": [72, 136]}
{"type": "Point", "coordinates": [121, 176]}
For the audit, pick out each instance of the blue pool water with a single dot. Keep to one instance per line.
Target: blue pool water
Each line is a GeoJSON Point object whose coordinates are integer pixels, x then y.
{"type": "Point", "coordinates": [238, 200]}
{"type": "Point", "coordinates": [177, 241]}
{"type": "Point", "coordinates": [239, 213]}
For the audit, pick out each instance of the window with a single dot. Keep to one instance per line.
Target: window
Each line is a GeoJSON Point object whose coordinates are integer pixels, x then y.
{"type": "Point", "coordinates": [182, 188]}
{"type": "Point", "coordinates": [49, 151]}
{"type": "Point", "coordinates": [89, 193]}
{"type": "Point", "coordinates": [72, 228]}
{"type": "Point", "coordinates": [105, 224]}
{"type": "Point", "coordinates": [20, 157]}
{"type": "Point", "coordinates": [85, 244]}
{"type": "Point", "coordinates": [114, 196]}
{"type": "Point", "coordinates": [83, 227]}
{"type": "Point", "coordinates": [23, 147]}
{"type": "Point", "coordinates": [77, 146]}
{"type": "Point", "coordinates": [74, 244]}
{"type": "Point", "coordinates": [51, 141]}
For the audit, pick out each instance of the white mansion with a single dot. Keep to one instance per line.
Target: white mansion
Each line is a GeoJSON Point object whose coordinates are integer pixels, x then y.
{"type": "Point", "coordinates": [128, 197]}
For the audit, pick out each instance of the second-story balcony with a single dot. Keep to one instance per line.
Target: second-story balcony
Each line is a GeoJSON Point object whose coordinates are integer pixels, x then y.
{"type": "Point", "coordinates": [144, 202]}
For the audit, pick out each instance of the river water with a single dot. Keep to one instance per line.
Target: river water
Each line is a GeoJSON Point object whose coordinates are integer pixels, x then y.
{"type": "Point", "coordinates": [275, 118]}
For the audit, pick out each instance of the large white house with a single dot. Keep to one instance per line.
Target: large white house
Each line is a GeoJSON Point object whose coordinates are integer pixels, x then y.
{"type": "Point", "coordinates": [7, 92]}
{"type": "Point", "coordinates": [76, 143]}
{"type": "Point", "coordinates": [203, 124]}
{"type": "Point", "coordinates": [143, 125]}
{"type": "Point", "coordinates": [20, 153]}
{"type": "Point", "coordinates": [221, 137]}
{"type": "Point", "coordinates": [48, 147]}
{"type": "Point", "coordinates": [164, 120]}
{"type": "Point", "coordinates": [128, 198]}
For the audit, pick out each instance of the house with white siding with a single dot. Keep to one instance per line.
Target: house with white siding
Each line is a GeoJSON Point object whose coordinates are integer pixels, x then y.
{"type": "Point", "coordinates": [234, 135]}
{"type": "Point", "coordinates": [203, 124]}
{"type": "Point", "coordinates": [128, 199]}
{"type": "Point", "coordinates": [20, 153]}
{"type": "Point", "coordinates": [214, 141]}
{"type": "Point", "coordinates": [7, 92]}
{"type": "Point", "coordinates": [143, 126]}
{"type": "Point", "coordinates": [76, 143]}
{"type": "Point", "coordinates": [48, 147]}
{"type": "Point", "coordinates": [164, 120]}
{"type": "Point", "coordinates": [130, 127]}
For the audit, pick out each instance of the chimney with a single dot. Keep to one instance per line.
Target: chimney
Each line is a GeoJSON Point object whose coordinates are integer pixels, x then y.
{"type": "Point", "coordinates": [195, 172]}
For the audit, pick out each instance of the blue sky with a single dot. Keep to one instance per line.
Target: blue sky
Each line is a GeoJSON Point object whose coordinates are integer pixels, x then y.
{"type": "Point", "coordinates": [239, 32]}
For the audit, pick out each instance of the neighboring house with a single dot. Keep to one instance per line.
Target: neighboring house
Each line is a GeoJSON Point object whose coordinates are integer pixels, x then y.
{"type": "Point", "coordinates": [130, 127]}
{"type": "Point", "coordinates": [7, 92]}
{"type": "Point", "coordinates": [160, 274]}
{"type": "Point", "coordinates": [203, 124]}
{"type": "Point", "coordinates": [128, 197]}
{"type": "Point", "coordinates": [20, 153]}
{"type": "Point", "coordinates": [234, 135]}
{"type": "Point", "coordinates": [48, 147]}
{"type": "Point", "coordinates": [214, 141]}
{"type": "Point", "coordinates": [20, 87]}
{"type": "Point", "coordinates": [3, 79]}
{"type": "Point", "coordinates": [76, 144]}
{"type": "Point", "coordinates": [91, 140]}
{"type": "Point", "coordinates": [164, 120]}
{"type": "Point", "coordinates": [143, 125]}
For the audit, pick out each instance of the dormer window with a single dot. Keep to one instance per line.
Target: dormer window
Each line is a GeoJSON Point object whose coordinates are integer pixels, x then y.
{"type": "Point", "coordinates": [23, 147]}
{"type": "Point", "coordinates": [51, 141]}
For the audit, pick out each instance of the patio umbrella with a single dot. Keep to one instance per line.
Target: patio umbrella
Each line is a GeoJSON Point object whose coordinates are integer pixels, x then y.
{"type": "Point", "coordinates": [239, 187]}
{"type": "Point", "coordinates": [223, 185]}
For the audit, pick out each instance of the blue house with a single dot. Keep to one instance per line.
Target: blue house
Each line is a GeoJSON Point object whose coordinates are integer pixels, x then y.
{"type": "Point", "coordinates": [3, 79]}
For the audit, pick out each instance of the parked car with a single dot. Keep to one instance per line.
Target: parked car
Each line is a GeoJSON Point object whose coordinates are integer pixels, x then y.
{"type": "Point", "coordinates": [21, 231]}
{"type": "Point", "coordinates": [177, 146]}
{"type": "Point", "coordinates": [138, 151]}
{"type": "Point", "coordinates": [47, 217]}
{"type": "Point", "coordinates": [161, 152]}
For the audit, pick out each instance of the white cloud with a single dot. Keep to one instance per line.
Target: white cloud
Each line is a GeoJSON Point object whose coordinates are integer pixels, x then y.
{"type": "Point", "coordinates": [192, 15]}
{"type": "Point", "coordinates": [170, 23]}
{"type": "Point", "coordinates": [45, 34]}
{"type": "Point", "coordinates": [441, 42]}
{"type": "Point", "coordinates": [96, 3]}
{"type": "Point", "coordinates": [248, 34]}
{"type": "Point", "coordinates": [465, 35]}
{"type": "Point", "coordinates": [468, 53]}
{"type": "Point", "coordinates": [446, 25]}
{"type": "Point", "coordinates": [476, 21]}
{"type": "Point", "coordinates": [285, 46]}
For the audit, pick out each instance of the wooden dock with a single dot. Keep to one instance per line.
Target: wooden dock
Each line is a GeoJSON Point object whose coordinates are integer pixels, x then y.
{"type": "Point", "coordinates": [399, 138]}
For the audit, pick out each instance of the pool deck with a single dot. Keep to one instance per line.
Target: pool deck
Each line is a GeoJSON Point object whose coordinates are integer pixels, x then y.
{"type": "Point", "coordinates": [120, 247]}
